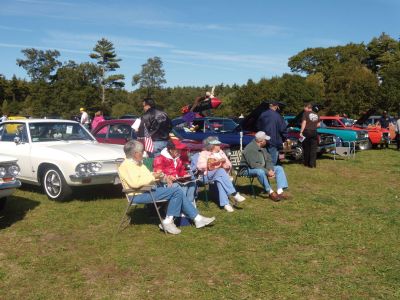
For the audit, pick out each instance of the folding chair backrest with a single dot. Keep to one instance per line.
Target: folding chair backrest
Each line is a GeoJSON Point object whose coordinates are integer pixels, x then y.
{"type": "Point", "coordinates": [235, 158]}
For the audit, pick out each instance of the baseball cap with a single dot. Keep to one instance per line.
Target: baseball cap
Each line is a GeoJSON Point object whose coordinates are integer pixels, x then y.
{"type": "Point", "coordinates": [212, 140]}
{"type": "Point", "coordinates": [261, 135]}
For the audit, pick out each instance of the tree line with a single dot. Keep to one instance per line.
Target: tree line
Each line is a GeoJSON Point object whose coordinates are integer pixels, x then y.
{"type": "Point", "coordinates": [343, 79]}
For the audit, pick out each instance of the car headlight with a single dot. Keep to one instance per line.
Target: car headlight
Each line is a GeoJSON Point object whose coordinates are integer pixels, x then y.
{"type": "Point", "coordinates": [2, 172]}
{"type": "Point", "coordinates": [84, 169]}
{"type": "Point", "coordinates": [81, 169]}
{"type": "Point", "coordinates": [13, 170]}
{"type": "Point", "coordinates": [94, 167]}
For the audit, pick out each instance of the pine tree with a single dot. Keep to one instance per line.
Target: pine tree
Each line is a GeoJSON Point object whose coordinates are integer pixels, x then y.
{"type": "Point", "coordinates": [107, 59]}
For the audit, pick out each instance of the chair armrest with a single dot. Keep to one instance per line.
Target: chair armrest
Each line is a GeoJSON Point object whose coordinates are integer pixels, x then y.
{"type": "Point", "coordinates": [144, 188]}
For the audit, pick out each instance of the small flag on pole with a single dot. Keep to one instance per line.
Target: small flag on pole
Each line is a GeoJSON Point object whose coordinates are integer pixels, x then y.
{"type": "Point", "coordinates": [148, 142]}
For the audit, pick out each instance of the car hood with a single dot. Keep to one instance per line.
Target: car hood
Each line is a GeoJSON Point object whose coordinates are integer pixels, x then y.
{"type": "Point", "coordinates": [5, 158]}
{"type": "Point", "coordinates": [249, 123]}
{"type": "Point", "coordinates": [90, 151]}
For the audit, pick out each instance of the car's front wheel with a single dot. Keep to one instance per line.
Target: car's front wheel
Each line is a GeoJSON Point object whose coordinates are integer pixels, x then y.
{"type": "Point", "coordinates": [298, 153]}
{"type": "Point", "coordinates": [54, 184]}
{"type": "Point", "coordinates": [366, 146]}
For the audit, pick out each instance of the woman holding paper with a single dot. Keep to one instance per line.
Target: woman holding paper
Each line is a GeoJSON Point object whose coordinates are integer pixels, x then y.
{"type": "Point", "coordinates": [309, 136]}
{"type": "Point", "coordinates": [215, 166]}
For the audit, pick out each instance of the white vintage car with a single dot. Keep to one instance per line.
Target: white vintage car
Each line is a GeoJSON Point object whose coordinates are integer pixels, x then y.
{"type": "Point", "coordinates": [59, 155]}
{"type": "Point", "coordinates": [8, 181]}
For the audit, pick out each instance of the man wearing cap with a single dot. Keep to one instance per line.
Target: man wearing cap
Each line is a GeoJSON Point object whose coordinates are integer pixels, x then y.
{"type": "Point", "coordinates": [84, 118]}
{"type": "Point", "coordinates": [273, 124]}
{"type": "Point", "coordinates": [258, 162]}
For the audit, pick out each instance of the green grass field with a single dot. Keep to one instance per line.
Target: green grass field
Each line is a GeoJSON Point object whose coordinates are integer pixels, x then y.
{"type": "Point", "coordinates": [337, 238]}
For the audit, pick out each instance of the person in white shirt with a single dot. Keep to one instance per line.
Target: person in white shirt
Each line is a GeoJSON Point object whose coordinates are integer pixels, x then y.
{"type": "Point", "coordinates": [84, 118]}
{"type": "Point", "coordinates": [398, 133]}
{"type": "Point", "coordinates": [3, 118]}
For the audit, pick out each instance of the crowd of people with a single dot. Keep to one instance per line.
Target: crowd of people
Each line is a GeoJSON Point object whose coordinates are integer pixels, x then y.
{"type": "Point", "coordinates": [177, 183]}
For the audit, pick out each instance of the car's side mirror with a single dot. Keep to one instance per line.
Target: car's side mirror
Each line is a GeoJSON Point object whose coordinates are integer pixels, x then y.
{"type": "Point", "coordinates": [17, 140]}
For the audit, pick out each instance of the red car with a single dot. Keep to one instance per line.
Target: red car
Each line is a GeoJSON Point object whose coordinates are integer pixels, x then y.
{"type": "Point", "coordinates": [119, 131]}
{"type": "Point", "coordinates": [376, 134]}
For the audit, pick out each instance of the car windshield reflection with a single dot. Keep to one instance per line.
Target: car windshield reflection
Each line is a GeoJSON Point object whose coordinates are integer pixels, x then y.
{"type": "Point", "coordinates": [48, 132]}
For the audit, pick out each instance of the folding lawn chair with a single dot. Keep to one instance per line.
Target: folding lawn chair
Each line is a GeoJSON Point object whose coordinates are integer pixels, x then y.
{"type": "Point", "coordinates": [241, 170]}
{"type": "Point", "coordinates": [126, 218]}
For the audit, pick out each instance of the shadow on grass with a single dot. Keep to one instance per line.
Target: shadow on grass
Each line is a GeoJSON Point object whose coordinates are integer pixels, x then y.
{"type": "Point", "coordinates": [145, 214]}
{"type": "Point", "coordinates": [85, 193]}
{"type": "Point", "coordinates": [15, 210]}
{"type": "Point", "coordinates": [98, 192]}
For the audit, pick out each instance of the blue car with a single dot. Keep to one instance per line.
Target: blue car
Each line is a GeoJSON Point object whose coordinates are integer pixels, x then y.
{"type": "Point", "coordinates": [227, 130]}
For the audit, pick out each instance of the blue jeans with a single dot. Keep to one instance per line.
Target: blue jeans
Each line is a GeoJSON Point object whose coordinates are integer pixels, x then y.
{"type": "Point", "coordinates": [280, 177]}
{"type": "Point", "coordinates": [224, 184]}
{"type": "Point", "coordinates": [274, 152]}
{"type": "Point", "coordinates": [177, 201]}
{"type": "Point", "coordinates": [188, 190]}
{"type": "Point", "coordinates": [158, 146]}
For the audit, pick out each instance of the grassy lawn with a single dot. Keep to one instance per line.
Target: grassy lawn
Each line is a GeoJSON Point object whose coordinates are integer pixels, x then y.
{"type": "Point", "coordinates": [338, 237]}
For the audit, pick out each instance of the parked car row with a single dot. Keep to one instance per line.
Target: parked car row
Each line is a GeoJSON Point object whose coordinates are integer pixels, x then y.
{"type": "Point", "coordinates": [61, 155]}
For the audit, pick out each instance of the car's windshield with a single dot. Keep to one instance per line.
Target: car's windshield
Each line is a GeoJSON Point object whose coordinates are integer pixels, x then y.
{"type": "Point", "coordinates": [222, 125]}
{"type": "Point", "coordinates": [47, 132]}
{"type": "Point", "coordinates": [347, 122]}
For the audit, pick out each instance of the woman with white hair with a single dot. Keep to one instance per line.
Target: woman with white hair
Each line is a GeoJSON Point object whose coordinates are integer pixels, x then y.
{"type": "Point", "coordinates": [215, 166]}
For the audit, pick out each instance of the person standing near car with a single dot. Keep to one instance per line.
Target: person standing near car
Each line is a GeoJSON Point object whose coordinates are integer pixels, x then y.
{"type": "Point", "coordinates": [272, 123]}
{"type": "Point", "coordinates": [98, 117]}
{"type": "Point", "coordinates": [3, 118]}
{"type": "Point", "coordinates": [309, 136]}
{"type": "Point", "coordinates": [154, 123]}
{"type": "Point", "coordinates": [398, 133]}
{"type": "Point", "coordinates": [84, 118]}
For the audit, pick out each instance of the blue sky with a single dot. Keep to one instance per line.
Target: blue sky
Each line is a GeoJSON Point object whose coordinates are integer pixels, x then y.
{"type": "Point", "coordinates": [200, 42]}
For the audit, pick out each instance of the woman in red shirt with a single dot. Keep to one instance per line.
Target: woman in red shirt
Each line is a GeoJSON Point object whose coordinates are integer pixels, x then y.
{"type": "Point", "coordinates": [175, 173]}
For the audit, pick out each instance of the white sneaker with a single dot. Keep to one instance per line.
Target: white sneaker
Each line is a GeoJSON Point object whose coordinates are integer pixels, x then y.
{"type": "Point", "coordinates": [228, 208]}
{"type": "Point", "coordinates": [204, 221]}
{"type": "Point", "coordinates": [239, 198]}
{"type": "Point", "coordinates": [170, 228]}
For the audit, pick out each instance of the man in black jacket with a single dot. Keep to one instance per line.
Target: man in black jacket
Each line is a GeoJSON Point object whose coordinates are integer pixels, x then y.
{"type": "Point", "coordinates": [259, 163]}
{"type": "Point", "coordinates": [157, 124]}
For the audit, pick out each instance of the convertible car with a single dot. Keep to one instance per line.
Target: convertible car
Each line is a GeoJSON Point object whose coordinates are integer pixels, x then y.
{"type": "Point", "coordinates": [228, 131]}
{"type": "Point", "coordinates": [9, 170]}
{"type": "Point", "coordinates": [59, 155]}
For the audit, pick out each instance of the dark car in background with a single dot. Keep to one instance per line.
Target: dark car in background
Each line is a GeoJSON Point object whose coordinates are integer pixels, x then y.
{"type": "Point", "coordinates": [227, 130]}
{"type": "Point", "coordinates": [119, 131]}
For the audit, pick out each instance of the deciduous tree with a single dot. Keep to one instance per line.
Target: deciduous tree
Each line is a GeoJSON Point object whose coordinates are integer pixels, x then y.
{"type": "Point", "coordinates": [151, 77]}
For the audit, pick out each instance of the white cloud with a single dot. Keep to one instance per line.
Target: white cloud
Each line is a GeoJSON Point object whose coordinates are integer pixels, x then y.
{"type": "Point", "coordinates": [245, 60]}
{"type": "Point", "coordinates": [15, 29]}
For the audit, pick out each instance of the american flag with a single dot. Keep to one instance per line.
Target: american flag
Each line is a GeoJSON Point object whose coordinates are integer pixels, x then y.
{"type": "Point", "coordinates": [148, 142]}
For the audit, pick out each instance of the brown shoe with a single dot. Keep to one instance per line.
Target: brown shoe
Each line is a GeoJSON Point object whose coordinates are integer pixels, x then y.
{"type": "Point", "coordinates": [283, 196]}
{"type": "Point", "coordinates": [274, 197]}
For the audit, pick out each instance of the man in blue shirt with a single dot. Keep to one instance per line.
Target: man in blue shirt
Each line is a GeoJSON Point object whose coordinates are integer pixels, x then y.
{"type": "Point", "coordinates": [273, 124]}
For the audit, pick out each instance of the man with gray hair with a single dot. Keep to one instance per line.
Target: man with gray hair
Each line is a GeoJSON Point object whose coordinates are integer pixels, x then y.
{"type": "Point", "coordinates": [134, 174]}
{"type": "Point", "coordinates": [258, 162]}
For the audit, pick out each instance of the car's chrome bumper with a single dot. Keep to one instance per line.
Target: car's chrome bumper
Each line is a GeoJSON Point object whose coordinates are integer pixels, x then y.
{"type": "Point", "coordinates": [326, 148]}
{"type": "Point", "coordinates": [92, 179]}
{"type": "Point", "coordinates": [7, 188]}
